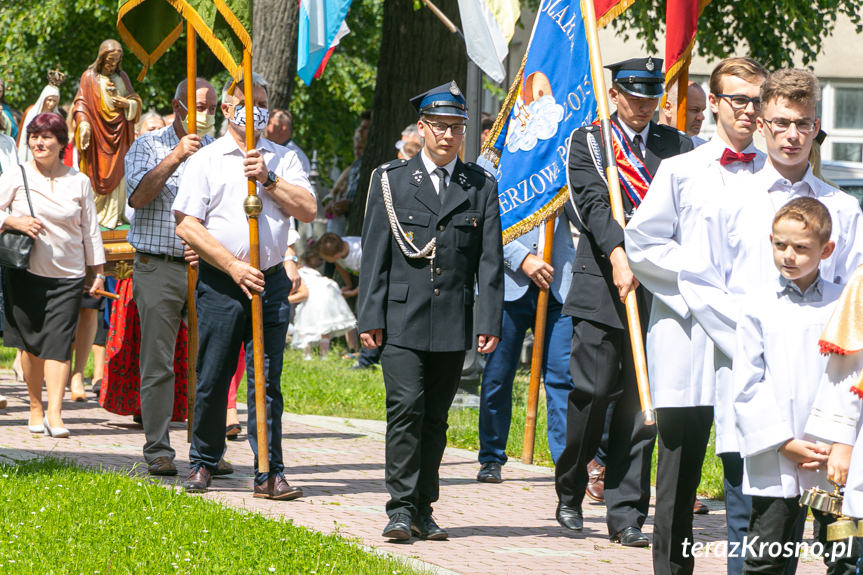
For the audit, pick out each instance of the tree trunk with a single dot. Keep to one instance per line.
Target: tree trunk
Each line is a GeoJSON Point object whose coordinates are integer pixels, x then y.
{"type": "Point", "coordinates": [274, 41]}
{"type": "Point", "coordinates": [417, 53]}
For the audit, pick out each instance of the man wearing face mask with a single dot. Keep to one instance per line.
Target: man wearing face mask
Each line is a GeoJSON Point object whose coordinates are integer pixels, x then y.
{"type": "Point", "coordinates": [211, 220]}
{"type": "Point", "coordinates": [154, 165]}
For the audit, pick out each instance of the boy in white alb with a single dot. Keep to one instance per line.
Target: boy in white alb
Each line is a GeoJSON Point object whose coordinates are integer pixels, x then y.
{"type": "Point", "coordinates": [679, 353]}
{"type": "Point", "coordinates": [777, 367]}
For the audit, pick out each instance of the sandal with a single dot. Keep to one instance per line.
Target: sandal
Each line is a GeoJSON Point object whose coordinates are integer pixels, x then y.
{"type": "Point", "coordinates": [232, 431]}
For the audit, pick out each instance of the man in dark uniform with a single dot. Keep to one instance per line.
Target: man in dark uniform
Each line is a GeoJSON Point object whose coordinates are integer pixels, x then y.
{"type": "Point", "coordinates": [601, 364]}
{"type": "Point", "coordinates": [431, 231]}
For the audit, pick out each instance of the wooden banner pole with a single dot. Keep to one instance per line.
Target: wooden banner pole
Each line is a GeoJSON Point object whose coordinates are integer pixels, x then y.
{"type": "Point", "coordinates": [191, 271]}
{"type": "Point", "coordinates": [537, 355]}
{"type": "Point", "coordinates": [253, 206]}
{"type": "Point", "coordinates": [632, 315]}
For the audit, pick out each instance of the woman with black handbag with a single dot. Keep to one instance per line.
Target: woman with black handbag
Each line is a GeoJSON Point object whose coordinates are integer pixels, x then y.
{"type": "Point", "coordinates": [53, 206]}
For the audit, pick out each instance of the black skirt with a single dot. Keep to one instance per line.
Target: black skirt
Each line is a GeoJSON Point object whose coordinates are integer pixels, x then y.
{"type": "Point", "coordinates": [41, 314]}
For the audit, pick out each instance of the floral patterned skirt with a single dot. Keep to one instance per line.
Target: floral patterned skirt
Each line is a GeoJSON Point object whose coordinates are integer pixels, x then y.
{"type": "Point", "coordinates": [121, 383]}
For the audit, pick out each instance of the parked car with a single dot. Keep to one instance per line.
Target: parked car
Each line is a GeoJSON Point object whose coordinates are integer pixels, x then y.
{"type": "Point", "coordinates": [846, 175]}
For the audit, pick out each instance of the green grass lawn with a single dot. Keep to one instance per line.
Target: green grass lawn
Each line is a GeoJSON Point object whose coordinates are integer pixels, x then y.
{"type": "Point", "coordinates": [58, 518]}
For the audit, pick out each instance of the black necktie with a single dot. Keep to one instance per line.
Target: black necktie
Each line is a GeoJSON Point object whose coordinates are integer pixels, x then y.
{"type": "Point", "coordinates": [441, 174]}
{"type": "Point", "coordinates": [637, 141]}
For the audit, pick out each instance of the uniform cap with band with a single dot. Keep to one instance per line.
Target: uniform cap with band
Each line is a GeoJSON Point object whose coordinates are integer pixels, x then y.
{"type": "Point", "coordinates": [640, 77]}
{"type": "Point", "coordinates": [445, 100]}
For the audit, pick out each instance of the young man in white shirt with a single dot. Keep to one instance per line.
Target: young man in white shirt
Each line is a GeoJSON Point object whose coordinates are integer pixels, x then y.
{"type": "Point", "coordinates": [729, 256]}
{"type": "Point", "coordinates": [683, 381]}
{"type": "Point", "coordinates": [777, 367]}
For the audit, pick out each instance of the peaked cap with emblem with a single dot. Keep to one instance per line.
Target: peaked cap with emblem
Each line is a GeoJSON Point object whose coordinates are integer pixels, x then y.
{"type": "Point", "coordinates": [640, 77]}
{"type": "Point", "coordinates": [445, 100]}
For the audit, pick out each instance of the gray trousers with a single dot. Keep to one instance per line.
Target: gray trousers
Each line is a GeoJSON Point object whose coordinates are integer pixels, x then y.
{"type": "Point", "coordinates": [159, 289]}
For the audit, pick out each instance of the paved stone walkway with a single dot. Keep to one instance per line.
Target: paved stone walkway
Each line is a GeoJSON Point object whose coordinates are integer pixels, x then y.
{"type": "Point", "coordinates": [494, 529]}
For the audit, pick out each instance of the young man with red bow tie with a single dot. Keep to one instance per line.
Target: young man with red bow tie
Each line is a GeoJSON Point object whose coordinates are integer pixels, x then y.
{"type": "Point", "coordinates": [683, 380]}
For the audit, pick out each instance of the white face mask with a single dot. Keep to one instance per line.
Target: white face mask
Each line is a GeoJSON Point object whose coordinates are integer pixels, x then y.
{"type": "Point", "coordinates": [261, 117]}
{"type": "Point", "coordinates": [205, 124]}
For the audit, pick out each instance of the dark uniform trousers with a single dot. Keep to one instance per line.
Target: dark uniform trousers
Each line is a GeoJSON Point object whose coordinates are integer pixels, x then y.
{"type": "Point", "coordinates": [420, 387]}
{"type": "Point", "coordinates": [224, 323]}
{"type": "Point", "coordinates": [602, 371]}
{"type": "Point", "coordinates": [601, 364]}
{"type": "Point", "coordinates": [425, 309]}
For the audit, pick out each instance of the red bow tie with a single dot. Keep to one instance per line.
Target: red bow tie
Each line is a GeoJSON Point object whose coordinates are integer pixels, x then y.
{"type": "Point", "coordinates": [729, 157]}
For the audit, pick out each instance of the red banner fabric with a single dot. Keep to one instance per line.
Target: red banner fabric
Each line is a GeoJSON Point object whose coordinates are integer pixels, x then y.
{"type": "Point", "coordinates": [608, 10]}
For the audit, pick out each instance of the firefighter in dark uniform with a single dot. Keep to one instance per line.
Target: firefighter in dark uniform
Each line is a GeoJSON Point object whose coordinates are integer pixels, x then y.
{"type": "Point", "coordinates": [431, 233]}
{"type": "Point", "coordinates": [601, 362]}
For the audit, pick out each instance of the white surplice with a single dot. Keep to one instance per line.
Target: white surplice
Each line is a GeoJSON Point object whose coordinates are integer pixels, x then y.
{"type": "Point", "coordinates": [836, 417]}
{"type": "Point", "coordinates": [680, 355]}
{"type": "Point", "coordinates": [776, 374]}
{"type": "Point", "coordinates": [731, 256]}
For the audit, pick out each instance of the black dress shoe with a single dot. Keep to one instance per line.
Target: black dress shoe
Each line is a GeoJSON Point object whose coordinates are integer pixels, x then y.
{"type": "Point", "coordinates": [489, 473]}
{"type": "Point", "coordinates": [399, 527]}
{"type": "Point", "coordinates": [632, 537]}
{"type": "Point", "coordinates": [425, 528]}
{"type": "Point", "coordinates": [198, 480]}
{"type": "Point", "coordinates": [569, 517]}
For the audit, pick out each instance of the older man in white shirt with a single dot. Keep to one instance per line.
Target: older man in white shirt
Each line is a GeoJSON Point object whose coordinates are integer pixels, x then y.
{"type": "Point", "coordinates": [731, 255]}
{"type": "Point", "coordinates": [680, 355]}
{"type": "Point", "coordinates": [211, 219]}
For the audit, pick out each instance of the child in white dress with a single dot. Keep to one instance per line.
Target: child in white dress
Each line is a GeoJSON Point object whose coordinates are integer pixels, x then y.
{"type": "Point", "coordinates": [321, 313]}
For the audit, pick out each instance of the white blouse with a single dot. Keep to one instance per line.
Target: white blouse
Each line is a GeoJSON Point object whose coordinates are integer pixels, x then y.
{"type": "Point", "coordinates": [70, 239]}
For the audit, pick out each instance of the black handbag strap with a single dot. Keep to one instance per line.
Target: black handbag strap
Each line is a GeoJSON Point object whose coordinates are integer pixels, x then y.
{"type": "Point", "coordinates": [27, 190]}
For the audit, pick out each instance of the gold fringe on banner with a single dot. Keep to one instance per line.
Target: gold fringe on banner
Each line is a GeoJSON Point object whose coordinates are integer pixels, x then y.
{"type": "Point", "coordinates": [547, 212]}
{"type": "Point", "coordinates": [618, 9]}
{"type": "Point", "coordinates": [147, 59]}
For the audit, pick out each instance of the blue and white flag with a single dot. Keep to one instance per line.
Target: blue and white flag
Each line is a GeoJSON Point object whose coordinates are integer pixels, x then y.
{"type": "Point", "coordinates": [552, 96]}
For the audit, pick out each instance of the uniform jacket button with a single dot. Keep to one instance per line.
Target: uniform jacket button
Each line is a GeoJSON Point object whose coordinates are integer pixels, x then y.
{"type": "Point", "coordinates": [437, 271]}
{"type": "Point", "coordinates": [440, 228]}
{"type": "Point", "coordinates": [436, 291]}
{"type": "Point", "coordinates": [583, 267]}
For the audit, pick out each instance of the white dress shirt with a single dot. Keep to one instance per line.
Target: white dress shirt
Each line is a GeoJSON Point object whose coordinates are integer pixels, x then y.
{"type": "Point", "coordinates": [837, 416]}
{"type": "Point", "coordinates": [777, 368]}
{"type": "Point", "coordinates": [680, 355]}
{"type": "Point", "coordinates": [70, 239]}
{"type": "Point", "coordinates": [630, 133]}
{"type": "Point", "coordinates": [213, 189]}
{"type": "Point", "coordinates": [731, 256]}
{"type": "Point", "coordinates": [430, 167]}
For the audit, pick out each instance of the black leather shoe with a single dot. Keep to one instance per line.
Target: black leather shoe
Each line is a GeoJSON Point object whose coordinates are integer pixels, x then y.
{"type": "Point", "coordinates": [425, 528]}
{"type": "Point", "coordinates": [399, 527]}
{"type": "Point", "coordinates": [198, 480]}
{"type": "Point", "coordinates": [489, 473]}
{"type": "Point", "coordinates": [632, 537]}
{"type": "Point", "coordinates": [569, 517]}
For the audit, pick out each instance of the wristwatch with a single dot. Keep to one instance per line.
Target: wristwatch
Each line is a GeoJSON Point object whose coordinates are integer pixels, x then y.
{"type": "Point", "coordinates": [291, 259]}
{"type": "Point", "coordinates": [272, 178]}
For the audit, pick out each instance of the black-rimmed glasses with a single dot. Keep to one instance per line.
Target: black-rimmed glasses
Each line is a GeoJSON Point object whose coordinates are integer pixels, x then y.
{"type": "Point", "coordinates": [440, 128]}
{"type": "Point", "coordinates": [739, 101]}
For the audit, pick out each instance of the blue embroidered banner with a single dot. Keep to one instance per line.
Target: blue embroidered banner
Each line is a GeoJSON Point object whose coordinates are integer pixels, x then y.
{"type": "Point", "coordinates": [552, 95]}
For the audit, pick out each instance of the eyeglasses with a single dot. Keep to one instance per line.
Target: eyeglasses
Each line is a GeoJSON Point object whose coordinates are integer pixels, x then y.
{"type": "Point", "coordinates": [739, 101]}
{"type": "Point", "coordinates": [440, 128]}
{"type": "Point", "coordinates": [780, 125]}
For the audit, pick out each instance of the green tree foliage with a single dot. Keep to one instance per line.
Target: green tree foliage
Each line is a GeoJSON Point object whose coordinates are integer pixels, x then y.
{"type": "Point", "coordinates": [327, 112]}
{"type": "Point", "coordinates": [40, 36]}
{"type": "Point", "coordinates": [774, 32]}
